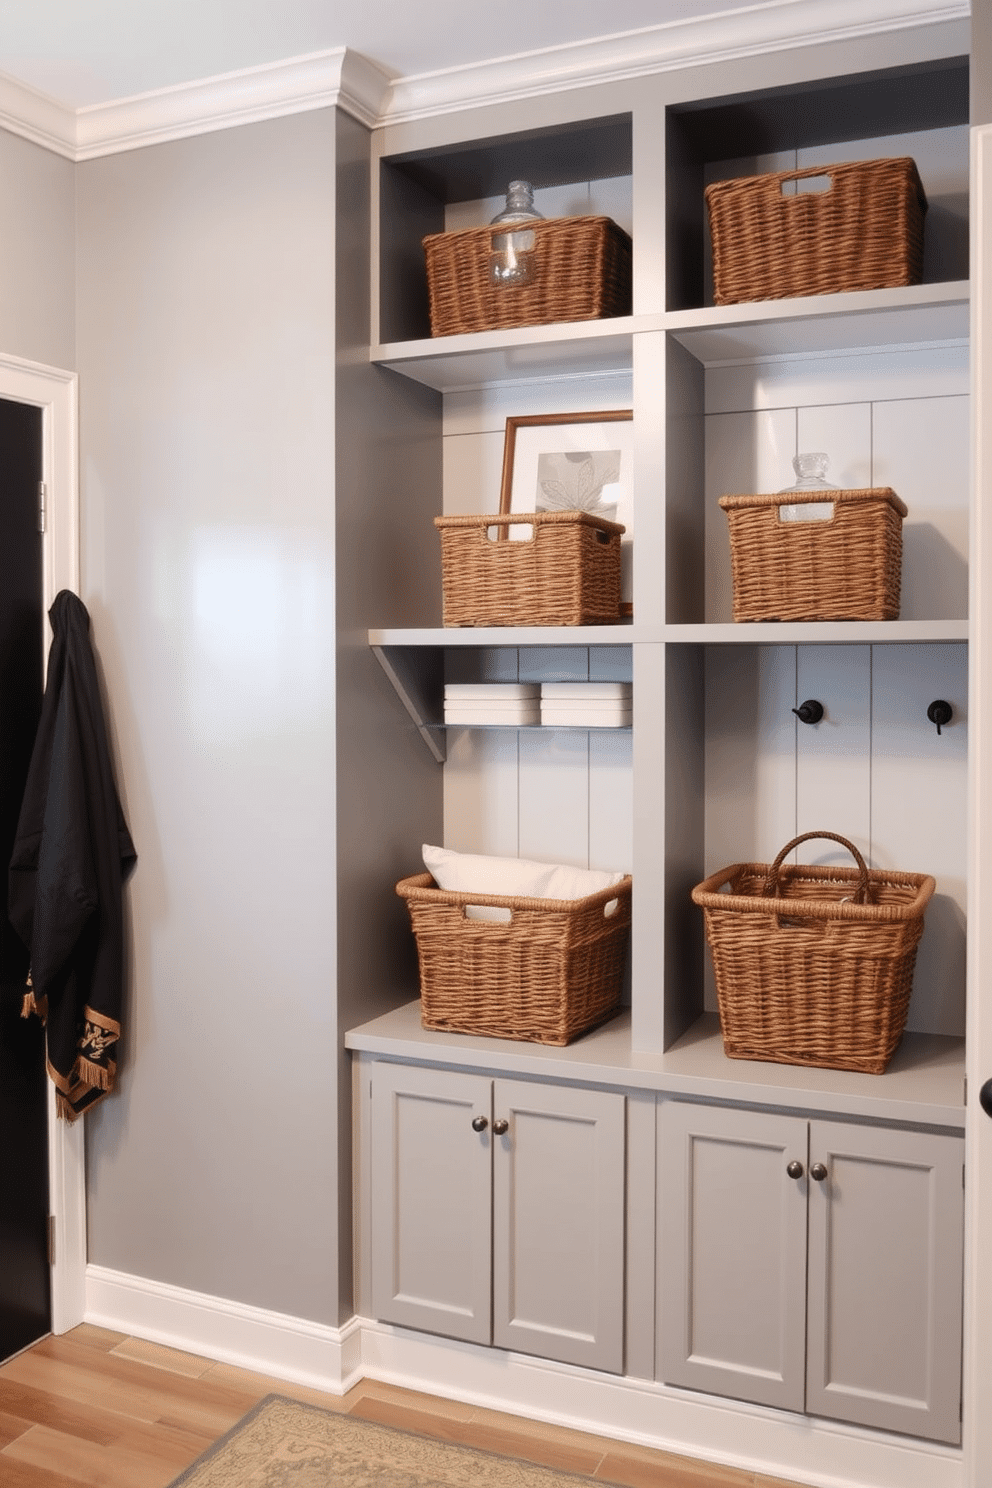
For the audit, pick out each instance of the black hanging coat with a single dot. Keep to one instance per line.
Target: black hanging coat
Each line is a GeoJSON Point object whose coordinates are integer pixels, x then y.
{"type": "Point", "coordinates": [72, 853]}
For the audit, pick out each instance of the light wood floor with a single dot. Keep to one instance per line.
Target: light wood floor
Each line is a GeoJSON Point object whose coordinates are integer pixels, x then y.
{"type": "Point", "coordinates": [108, 1411]}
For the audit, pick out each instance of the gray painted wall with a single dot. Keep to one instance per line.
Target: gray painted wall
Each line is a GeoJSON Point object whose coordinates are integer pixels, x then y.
{"type": "Point", "coordinates": [206, 357]}
{"type": "Point", "coordinates": [37, 253]}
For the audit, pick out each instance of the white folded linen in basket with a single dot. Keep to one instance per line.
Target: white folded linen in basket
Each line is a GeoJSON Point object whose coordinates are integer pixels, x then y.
{"type": "Point", "coordinates": [474, 873]}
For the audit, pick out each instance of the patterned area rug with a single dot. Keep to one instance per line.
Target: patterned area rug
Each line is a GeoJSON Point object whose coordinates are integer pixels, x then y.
{"type": "Point", "coordinates": [286, 1444]}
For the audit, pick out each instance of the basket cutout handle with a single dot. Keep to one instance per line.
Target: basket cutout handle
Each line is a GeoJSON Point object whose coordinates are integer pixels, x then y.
{"type": "Point", "coordinates": [798, 513]}
{"type": "Point", "coordinates": [499, 532]}
{"type": "Point", "coordinates": [806, 183]}
{"type": "Point", "coordinates": [784, 185]}
{"type": "Point", "coordinates": [860, 895]}
{"type": "Point", "coordinates": [493, 914]}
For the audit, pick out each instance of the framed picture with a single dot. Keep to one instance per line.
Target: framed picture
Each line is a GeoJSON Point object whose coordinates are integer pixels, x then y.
{"type": "Point", "coordinates": [572, 462]}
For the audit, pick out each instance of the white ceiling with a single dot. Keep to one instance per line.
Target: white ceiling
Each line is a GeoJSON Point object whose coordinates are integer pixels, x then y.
{"type": "Point", "coordinates": [83, 52]}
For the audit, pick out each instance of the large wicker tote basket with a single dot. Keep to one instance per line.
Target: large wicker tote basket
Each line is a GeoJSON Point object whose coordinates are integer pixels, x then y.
{"type": "Point", "coordinates": [548, 974]}
{"type": "Point", "coordinates": [581, 270]}
{"type": "Point", "coordinates": [864, 232]}
{"type": "Point", "coordinates": [566, 573]}
{"type": "Point", "coordinates": [848, 567]}
{"type": "Point", "coordinates": [813, 965]}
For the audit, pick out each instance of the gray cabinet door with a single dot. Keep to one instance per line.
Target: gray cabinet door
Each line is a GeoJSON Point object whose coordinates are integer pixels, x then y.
{"type": "Point", "coordinates": [558, 1225]}
{"type": "Point", "coordinates": [885, 1275]}
{"type": "Point", "coordinates": [431, 1200]}
{"type": "Point", "coordinates": [732, 1252]}
{"type": "Point", "coordinates": [861, 1320]}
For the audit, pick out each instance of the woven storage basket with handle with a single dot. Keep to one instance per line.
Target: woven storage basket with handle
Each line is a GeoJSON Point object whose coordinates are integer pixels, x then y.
{"type": "Point", "coordinates": [581, 270]}
{"type": "Point", "coordinates": [846, 568]}
{"type": "Point", "coordinates": [813, 965]}
{"type": "Point", "coordinates": [548, 974]}
{"type": "Point", "coordinates": [566, 573]}
{"type": "Point", "coordinates": [864, 232]}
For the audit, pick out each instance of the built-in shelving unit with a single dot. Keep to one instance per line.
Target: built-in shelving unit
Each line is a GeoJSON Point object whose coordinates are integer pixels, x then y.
{"type": "Point", "coordinates": [761, 371]}
{"type": "Point", "coordinates": [716, 768]}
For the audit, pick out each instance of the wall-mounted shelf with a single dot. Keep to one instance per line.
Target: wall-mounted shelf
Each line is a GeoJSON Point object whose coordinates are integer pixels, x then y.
{"type": "Point", "coordinates": [814, 325]}
{"type": "Point", "coordinates": [817, 633]}
{"type": "Point", "coordinates": [758, 633]}
{"type": "Point", "coordinates": [416, 671]}
{"type": "Point", "coordinates": [533, 352]}
{"type": "Point", "coordinates": [818, 325]}
{"type": "Point", "coordinates": [509, 635]}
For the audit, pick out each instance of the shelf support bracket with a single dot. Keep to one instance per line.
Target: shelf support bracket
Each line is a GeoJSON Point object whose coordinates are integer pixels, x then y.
{"type": "Point", "coordinates": [417, 676]}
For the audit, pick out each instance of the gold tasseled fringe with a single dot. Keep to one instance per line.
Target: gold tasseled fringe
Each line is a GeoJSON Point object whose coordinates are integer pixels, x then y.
{"type": "Point", "coordinates": [101, 1033]}
{"type": "Point", "coordinates": [31, 1004]}
{"type": "Point", "coordinates": [93, 1075]}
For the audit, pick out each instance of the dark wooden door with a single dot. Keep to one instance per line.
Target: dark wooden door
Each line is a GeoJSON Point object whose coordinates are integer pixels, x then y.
{"type": "Point", "coordinates": [25, 1301]}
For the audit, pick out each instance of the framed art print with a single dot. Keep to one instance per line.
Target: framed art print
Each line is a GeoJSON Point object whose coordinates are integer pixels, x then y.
{"type": "Point", "coordinates": [572, 462]}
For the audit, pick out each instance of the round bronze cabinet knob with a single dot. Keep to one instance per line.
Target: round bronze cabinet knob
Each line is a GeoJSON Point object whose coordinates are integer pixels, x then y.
{"type": "Point", "coordinates": [795, 1169]}
{"type": "Point", "coordinates": [500, 1127]}
{"type": "Point", "coordinates": [479, 1123]}
{"type": "Point", "coordinates": [818, 1172]}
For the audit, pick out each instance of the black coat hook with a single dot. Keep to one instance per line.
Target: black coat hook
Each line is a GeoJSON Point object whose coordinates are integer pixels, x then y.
{"type": "Point", "coordinates": [940, 713]}
{"type": "Point", "coordinates": [809, 712]}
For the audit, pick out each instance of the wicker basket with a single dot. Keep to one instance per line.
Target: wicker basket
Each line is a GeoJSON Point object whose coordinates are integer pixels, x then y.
{"type": "Point", "coordinates": [566, 573]}
{"type": "Point", "coordinates": [581, 270]}
{"type": "Point", "coordinates": [549, 974]}
{"type": "Point", "coordinates": [825, 983]}
{"type": "Point", "coordinates": [846, 568]}
{"type": "Point", "coordinates": [865, 232]}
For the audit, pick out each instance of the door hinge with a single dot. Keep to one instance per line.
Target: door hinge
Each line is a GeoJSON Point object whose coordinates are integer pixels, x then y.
{"type": "Point", "coordinates": [50, 1227]}
{"type": "Point", "coordinates": [42, 508]}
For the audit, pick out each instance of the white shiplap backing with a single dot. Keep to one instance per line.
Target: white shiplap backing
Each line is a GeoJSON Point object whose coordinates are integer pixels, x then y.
{"type": "Point", "coordinates": [557, 795]}
{"type": "Point", "coordinates": [875, 769]}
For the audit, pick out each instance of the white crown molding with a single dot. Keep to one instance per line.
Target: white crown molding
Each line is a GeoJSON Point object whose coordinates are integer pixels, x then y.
{"type": "Point", "coordinates": [36, 117]}
{"type": "Point", "coordinates": [774, 25]}
{"type": "Point", "coordinates": [341, 78]}
{"type": "Point", "coordinates": [345, 79]}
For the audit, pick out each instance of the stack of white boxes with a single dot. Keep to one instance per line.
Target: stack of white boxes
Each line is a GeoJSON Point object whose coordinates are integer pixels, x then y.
{"type": "Point", "coordinates": [587, 704]}
{"type": "Point", "coordinates": [483, 704]}
{"type": "Point", "coordinates": [527, 704]}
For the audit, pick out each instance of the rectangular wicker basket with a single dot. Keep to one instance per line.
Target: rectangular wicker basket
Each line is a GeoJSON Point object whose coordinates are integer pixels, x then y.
{"type": "Point", "coordinates": [548, 974]}
{"type": "Point", "coordinates": [813, 965]}
{"type": "Point", "coordinates": [846, 568]}
{"type": "Point", "coordinates": [566, 573]}
{"type": "Point", "coordinates": [864, 232]}
{"type": "Point", "coordinates": [581, 270]}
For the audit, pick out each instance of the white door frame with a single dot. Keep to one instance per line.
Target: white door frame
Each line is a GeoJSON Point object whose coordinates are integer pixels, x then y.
{"type": "Point", "coordinates": [978, 1187]}
{"type": "Point", "coordinates": [55, 393]}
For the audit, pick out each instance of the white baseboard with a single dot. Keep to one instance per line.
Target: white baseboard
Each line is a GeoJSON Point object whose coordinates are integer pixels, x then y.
{"type": "Point", "coordinates": [754, 1439]}
{"type": "Point", "coordinates": [815, 1452]}
{"type": "Point", "coordinates": [287, 1348]}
